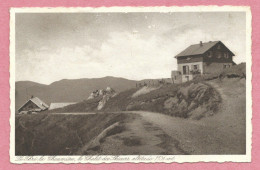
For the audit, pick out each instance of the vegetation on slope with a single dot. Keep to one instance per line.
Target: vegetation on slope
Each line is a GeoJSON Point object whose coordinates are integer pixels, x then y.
{"type": "Point", "coordinates": [194, 99]}
{"type": "Point", "coordinates": [191, 99]}
{"type": "Point", "coordinates": [68, 134]}
{"type": "Point", "coordinates": [56, 134]}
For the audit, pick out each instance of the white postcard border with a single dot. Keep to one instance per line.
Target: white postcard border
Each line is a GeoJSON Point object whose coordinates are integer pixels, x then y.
{"type": "Point", "coordinates": [133, 158]}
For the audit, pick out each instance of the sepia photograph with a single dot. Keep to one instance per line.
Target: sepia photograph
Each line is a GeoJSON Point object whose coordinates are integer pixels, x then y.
{"type": "Point", "coordinates": [130, 84]}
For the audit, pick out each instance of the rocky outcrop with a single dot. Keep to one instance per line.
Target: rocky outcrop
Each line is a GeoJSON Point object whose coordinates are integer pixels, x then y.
{"type": "Point", "coordinates": [194, 100]}
{"type": "Point", "coordinates": [104, 100]}
{"type": "Point", "coordinates": [101, 92]}
{"type": "Point", "coordinates": [106, 94]}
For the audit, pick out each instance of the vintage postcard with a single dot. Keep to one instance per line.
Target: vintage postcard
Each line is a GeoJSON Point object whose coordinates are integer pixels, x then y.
{"type": "Point", "coordinates": [130, 84]}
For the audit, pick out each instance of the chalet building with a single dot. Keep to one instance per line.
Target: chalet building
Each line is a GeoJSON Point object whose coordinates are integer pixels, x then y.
{"type": "Point", "coordinates": [33, 105]}
{"type": "Point", "coordinates": [203, 58]}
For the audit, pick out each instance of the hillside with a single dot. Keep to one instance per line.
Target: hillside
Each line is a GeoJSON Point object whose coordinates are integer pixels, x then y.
{"type": "Point", "coordinates": [194, 100]}
{"type": "Point", "coordinates": [138, 132]}
{"type": "Point", "coordinates": [67, 90]}
{"type": "Point", "coordinates": [146, 120]}
{"type": "Point", "coordinates": [72, 90]}
{"type": "Point", "coordinates": [59, 134]}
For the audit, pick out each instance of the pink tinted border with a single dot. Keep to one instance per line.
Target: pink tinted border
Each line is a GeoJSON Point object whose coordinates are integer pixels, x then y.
{"type": "Point", "coordinates": [4, 82]}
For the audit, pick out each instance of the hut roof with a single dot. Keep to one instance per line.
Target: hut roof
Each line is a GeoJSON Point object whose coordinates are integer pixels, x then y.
{"type": "Point", "coordinates": [197, 49]}
{"type": "Point", "coordinates": [38, 102]}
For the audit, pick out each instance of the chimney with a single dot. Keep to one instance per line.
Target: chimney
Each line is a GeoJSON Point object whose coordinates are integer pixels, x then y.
{"type": "Point", "coordinates": [31, 96]}
{"type": "Point", "coordinates": [201, 43]}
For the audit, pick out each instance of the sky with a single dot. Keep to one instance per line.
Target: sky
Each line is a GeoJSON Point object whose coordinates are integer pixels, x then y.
{"type": "Point", "coordinates": [54, 46]}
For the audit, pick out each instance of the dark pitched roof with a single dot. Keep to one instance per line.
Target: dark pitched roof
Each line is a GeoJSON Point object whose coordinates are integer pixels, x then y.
{"type": "Point", "coordinates": [38, 102]}
{"type": "Point", "coordinates": [197, 49]}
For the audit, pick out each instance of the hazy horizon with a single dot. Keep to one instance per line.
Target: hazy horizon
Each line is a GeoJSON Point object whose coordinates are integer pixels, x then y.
{"type": "Point", "coordinates": [136, 46]}
{"type": "Point", "coordinates": [93, 78]}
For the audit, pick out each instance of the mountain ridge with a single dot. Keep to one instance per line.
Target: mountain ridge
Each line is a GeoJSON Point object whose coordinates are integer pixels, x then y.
{"type": "Point", "coordinates": [68, 90]}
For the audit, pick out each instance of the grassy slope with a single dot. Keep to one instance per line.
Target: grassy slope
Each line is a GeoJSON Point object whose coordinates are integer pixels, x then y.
{"type": "Point", "coordinates": [155, 100]}
{"type": "Point", "coordinates": [47, 134]}
{"type": "Point", "coordinates": [191, 99]}
{"type": "Point", "coordinates": [181, 100]}
{"type": "Point", "coordinates": [230, 121]}
{"type": "Point", "coordinates": [223, 133]}
{"type": "Point", "coordinates": [187, 97]}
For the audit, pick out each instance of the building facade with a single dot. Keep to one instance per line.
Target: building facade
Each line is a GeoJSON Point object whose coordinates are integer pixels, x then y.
{"type": "Point", "coordinates": [203, 58]}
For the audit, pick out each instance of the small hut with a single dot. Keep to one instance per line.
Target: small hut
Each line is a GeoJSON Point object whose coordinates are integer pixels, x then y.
{"type": "Point", "coordinates": [33, 105]}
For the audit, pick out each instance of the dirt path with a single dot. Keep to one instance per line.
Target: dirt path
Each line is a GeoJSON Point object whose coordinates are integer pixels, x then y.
{"type": "Point", "coordinates": [231, 117]}
{"type": "Point", "coordinates": [139, 138]}
{"type": "Point", "coordinates": [156, 133]}
{"type": "Point", "coordinates": [223, 133]}
{"type": "Point", "coordinates": [75, 113]}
